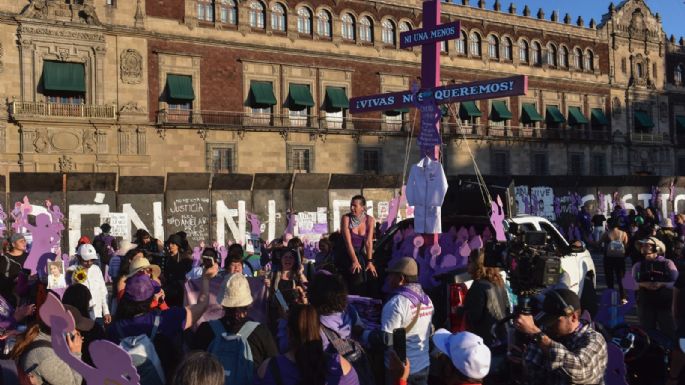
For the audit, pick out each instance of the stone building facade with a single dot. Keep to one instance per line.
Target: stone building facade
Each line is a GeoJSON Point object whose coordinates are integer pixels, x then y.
{"type": "Point", "coordinates": [149, 87]}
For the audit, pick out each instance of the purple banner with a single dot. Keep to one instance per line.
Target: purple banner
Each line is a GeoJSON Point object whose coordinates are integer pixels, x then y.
{"type": "Point", "coordinates": [447, 31]}
{"type": "Point", "coordinates": [483, 89]}
{"type": "Point", "coordinates": [429, 134]}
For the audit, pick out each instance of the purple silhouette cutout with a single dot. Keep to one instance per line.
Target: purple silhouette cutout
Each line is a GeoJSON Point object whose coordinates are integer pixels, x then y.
{"type": "Point", "coordinates": [393, 209]}
{"type": "Point", "coordinates": [113, 365]}
{"type": "Point", "coordinates": [255, 224]}
{"type": "Point", "coordinates": [45, 234]}
{"type": "Point", "coordinates": [497, 219]}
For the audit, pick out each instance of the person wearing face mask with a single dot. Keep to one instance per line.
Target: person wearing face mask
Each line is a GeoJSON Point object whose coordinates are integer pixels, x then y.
{"type": "Point", "coordinates": [655, 276]}
{"type": "Point", "coordinates": [566, 350]}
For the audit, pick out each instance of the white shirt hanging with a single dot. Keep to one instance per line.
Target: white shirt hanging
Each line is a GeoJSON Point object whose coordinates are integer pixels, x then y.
{"type": "Point", "coordinates": [426, 189]}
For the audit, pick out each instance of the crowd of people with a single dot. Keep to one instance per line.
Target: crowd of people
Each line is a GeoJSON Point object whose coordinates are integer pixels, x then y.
{"type": "Point", "coordinates": [340, 319]}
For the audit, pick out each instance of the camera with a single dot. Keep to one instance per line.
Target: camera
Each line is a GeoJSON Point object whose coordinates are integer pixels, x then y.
{"type": "Point", "coordinates": [530, 262]}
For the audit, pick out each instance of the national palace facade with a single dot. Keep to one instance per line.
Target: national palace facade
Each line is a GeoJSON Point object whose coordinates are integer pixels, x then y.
{"type": "Point", "coordinates": [150, 87]}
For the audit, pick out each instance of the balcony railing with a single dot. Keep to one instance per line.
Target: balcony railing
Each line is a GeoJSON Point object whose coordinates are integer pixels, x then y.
{"type": "Point", "coordinates": [520, 132]}
{"type": "Point", "coordinates": [39, 109]}
{"type": "Point", "coordinates": [649, 138]}
{"type": "Point", "coordinates": [227, 119]}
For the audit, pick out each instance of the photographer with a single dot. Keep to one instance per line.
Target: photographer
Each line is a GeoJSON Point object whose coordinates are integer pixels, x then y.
{"type": "Point", "coordinates": [655, 275]}
{"type": "Point", "coordinates": [566, 351]}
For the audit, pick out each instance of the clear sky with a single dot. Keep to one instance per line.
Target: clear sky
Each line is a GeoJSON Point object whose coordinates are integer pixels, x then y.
{"type": "Point", "coordinates": [672, 11]}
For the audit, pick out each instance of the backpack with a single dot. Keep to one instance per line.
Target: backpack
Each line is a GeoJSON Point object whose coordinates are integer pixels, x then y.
{"type": "Point", "coordinates": [143, 354]}
{"type": "Point", "coordinates": [234, 352]}
{"type": "Point", "coordinates": [616, 249]}
{"type": "Point", "coordinates": [354, 353]}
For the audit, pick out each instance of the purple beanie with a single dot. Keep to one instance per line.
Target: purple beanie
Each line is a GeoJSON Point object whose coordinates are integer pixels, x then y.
{"type": "Point", "coordinates": [139, 288]}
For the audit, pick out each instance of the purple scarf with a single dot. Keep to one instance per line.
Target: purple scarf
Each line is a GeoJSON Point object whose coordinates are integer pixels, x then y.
{"type": "Point", "coordinates": [340, 323]}
{"type": "Point", "coordinates": [414, 293]}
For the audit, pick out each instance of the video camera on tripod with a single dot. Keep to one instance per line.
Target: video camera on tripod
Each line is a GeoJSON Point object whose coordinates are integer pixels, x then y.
{"type": "Point", "coordinates": [530, 262]}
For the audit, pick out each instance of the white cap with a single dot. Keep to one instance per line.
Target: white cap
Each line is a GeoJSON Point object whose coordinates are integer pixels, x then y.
{"type": "Point", "coordinates": [467, 352]}
{"type": "Point", "coordinates": [87, 252]}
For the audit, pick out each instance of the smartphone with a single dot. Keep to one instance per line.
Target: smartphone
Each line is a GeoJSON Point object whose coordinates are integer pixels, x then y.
{"type": "Point", "coordinates": [399, 343]}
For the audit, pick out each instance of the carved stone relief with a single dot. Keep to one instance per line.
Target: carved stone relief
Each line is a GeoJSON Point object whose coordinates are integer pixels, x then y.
{"type": "Point", "coordinates": [41, 142]}
{"type": "Point", "coordinates": [89, 142]}
{"type": "Point", "coordinates": [66, 164]}
{"type": "Point", "coordinates": [131, 67]}
{"type": "Point", "coordinates": [132, 108]}
{"type": "Point", "coordinates": [61, 11]}
{"type": "Point", "coordinates": [616, 106]}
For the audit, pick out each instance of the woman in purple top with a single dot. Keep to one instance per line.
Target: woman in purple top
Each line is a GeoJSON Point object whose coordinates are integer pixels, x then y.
{"type": "Point", "coordinates": [306, 362]}
{"type": "Point", "coordinates": [134, 316]}
{"type": "Point", "coordinates": [357, 229]}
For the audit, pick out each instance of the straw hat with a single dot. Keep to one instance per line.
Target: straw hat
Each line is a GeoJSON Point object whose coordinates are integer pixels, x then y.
{"type": "Point", "coordinates": [140, 264]}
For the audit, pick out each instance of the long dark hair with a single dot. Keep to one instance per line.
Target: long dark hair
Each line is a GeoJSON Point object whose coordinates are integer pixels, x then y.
{"type": "Point", "coordinates": [303, 327]}
{"type": "Point", "coordinates": [127, 309]}
{"type": "Point", "coordinates": [78, 296]}
{"type": "Point", "coordinates": [199, 368]}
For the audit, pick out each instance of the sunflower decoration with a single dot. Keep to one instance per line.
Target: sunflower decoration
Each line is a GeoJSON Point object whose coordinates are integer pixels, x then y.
{"type": "Point", "coordinates": [80, 275]}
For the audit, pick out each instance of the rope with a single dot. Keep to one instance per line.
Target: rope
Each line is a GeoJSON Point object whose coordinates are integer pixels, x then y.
{"type": "Point", "coordinates": [407, 148]}
{"type": "Point", "coordinates": [484, 192]}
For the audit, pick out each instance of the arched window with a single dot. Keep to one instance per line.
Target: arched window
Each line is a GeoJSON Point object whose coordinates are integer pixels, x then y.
{"type": "Point", "coordinates": [563, 57]}
{"type": "Point", "coordinates": [589, 61]}
{"type": "Point", "coordinates": [366, 29]}
{"type": "Point", "coordinates": [324, 24]}
{"type": "Point", "coordinates": [552, 55]}
{"type": "Point", "coordinates": [348, 27]}
{"type": "Point", "coordinates": [678, 74]}
{"type": "Point", "coordinates": [256, 15]}
{"type": "Point", "coordinates": [405, 27]}
{"type": "Point", "coordinates": [304, 21]}
{"type": "Point", "coordinates": [228, 12]}
{"type": "Point", "coordinates": [639, 70]}
{"type": "Point", "coordinates": [475, 44]}
{"type": "Point", "coordinates": [461, 44]}
{"type": "Point", "coordinates": [537, 54]}
{"type": "Point", "coordinates": [523, 51]}
{"type": "Point", "coordinates": [443, 47]}
{"type": "Point", "coordinates": [388, 28]}
{"type": "Point", "coordinates": [578, 59]}
{"type": "Point", "coordinates": [278, 22]}
{"type": "Point", "coordinates": [493, 47]}
{"type": "Point", "coordinates": [205, 10]}
{"type": "Point", "coordinates": [506, 49]}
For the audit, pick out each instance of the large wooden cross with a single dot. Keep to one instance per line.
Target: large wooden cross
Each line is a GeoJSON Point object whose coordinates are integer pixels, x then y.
{"type": "Point", "coordinates": [431, 93]}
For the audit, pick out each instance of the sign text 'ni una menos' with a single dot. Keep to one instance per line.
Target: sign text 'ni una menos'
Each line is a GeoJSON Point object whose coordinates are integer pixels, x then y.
{"type": "Point", "coordinates": [423, 36]}
{"type": "Point", "coordinates": [484, 89]}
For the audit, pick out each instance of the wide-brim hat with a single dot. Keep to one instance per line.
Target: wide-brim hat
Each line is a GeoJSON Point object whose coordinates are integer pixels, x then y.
{"type": "Point", "coordinates": [140, 264]}
{"type": "Point", "coordinates": [236, 292]}
{"type": "Point", "coordinates": [124, 247]}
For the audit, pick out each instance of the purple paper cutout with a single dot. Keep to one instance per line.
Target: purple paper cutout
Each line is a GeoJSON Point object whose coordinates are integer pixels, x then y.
{"type": "Point", "coordinates": [113, 365]}
{"type": "Point", "coordinates": [465, 250]}
{"type": "Point", "coordinates": [45, 234]}
{"type": "Point", "coordinates": [487, 235]}
{"type": "Point", "coordinates": [472, 232]}
{"type": "Point", "coordinates": [462, 234]}
{"type": "Point", "coordinates": [255, 224]}
{"type": "Point", "coordinates": [292, 223]}
{"type": "Point", "coordinates": [497, 219]}
{"type": "Point", "coordinates": [393, 210]}
{"type": "Point", "coordinates": [476, 243]}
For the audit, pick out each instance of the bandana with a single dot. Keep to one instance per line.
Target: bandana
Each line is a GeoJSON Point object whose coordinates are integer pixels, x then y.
{"type": "Point", "coordinates": [356, 221]}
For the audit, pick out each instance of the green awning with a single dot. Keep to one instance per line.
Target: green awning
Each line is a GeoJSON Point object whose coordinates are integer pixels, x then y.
{"type": "Point", "coordinates": [261, 95]}
{"type": "Point", "coordinates": [680, 123]}
{"type": "Point", "coordinates": [576, 117]}
{"type": "Point", "coordinates": [299, 97]}
{"type": "Point", "coordinates": [180, 87]}
{"type": "Point", "coordinates": [529, 114]}
{"type": "Point", "coordinates": [499, 111]}
{"type": "Point", "coordinates": [336, 99]}
{"type": "Point", "coordinates": [396, 112]}
{"type": "Point", "coordinates": [554, 115]}
{"type": "Point", "coordinates": [642, 120]}
{"type": "Point", "coordinates": [65, 77]}
{"type": "Point", "coordinates": [468, 110]}
{"type": "Point", "coordinates": [598, 117]}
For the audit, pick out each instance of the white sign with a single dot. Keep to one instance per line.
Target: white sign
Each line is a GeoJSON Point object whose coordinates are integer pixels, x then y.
{"type": "Point", "coordinates": [121, 227]}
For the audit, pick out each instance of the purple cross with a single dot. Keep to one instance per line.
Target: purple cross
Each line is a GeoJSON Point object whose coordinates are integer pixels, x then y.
{"type": "Point", "coordinates": [431, 93]}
